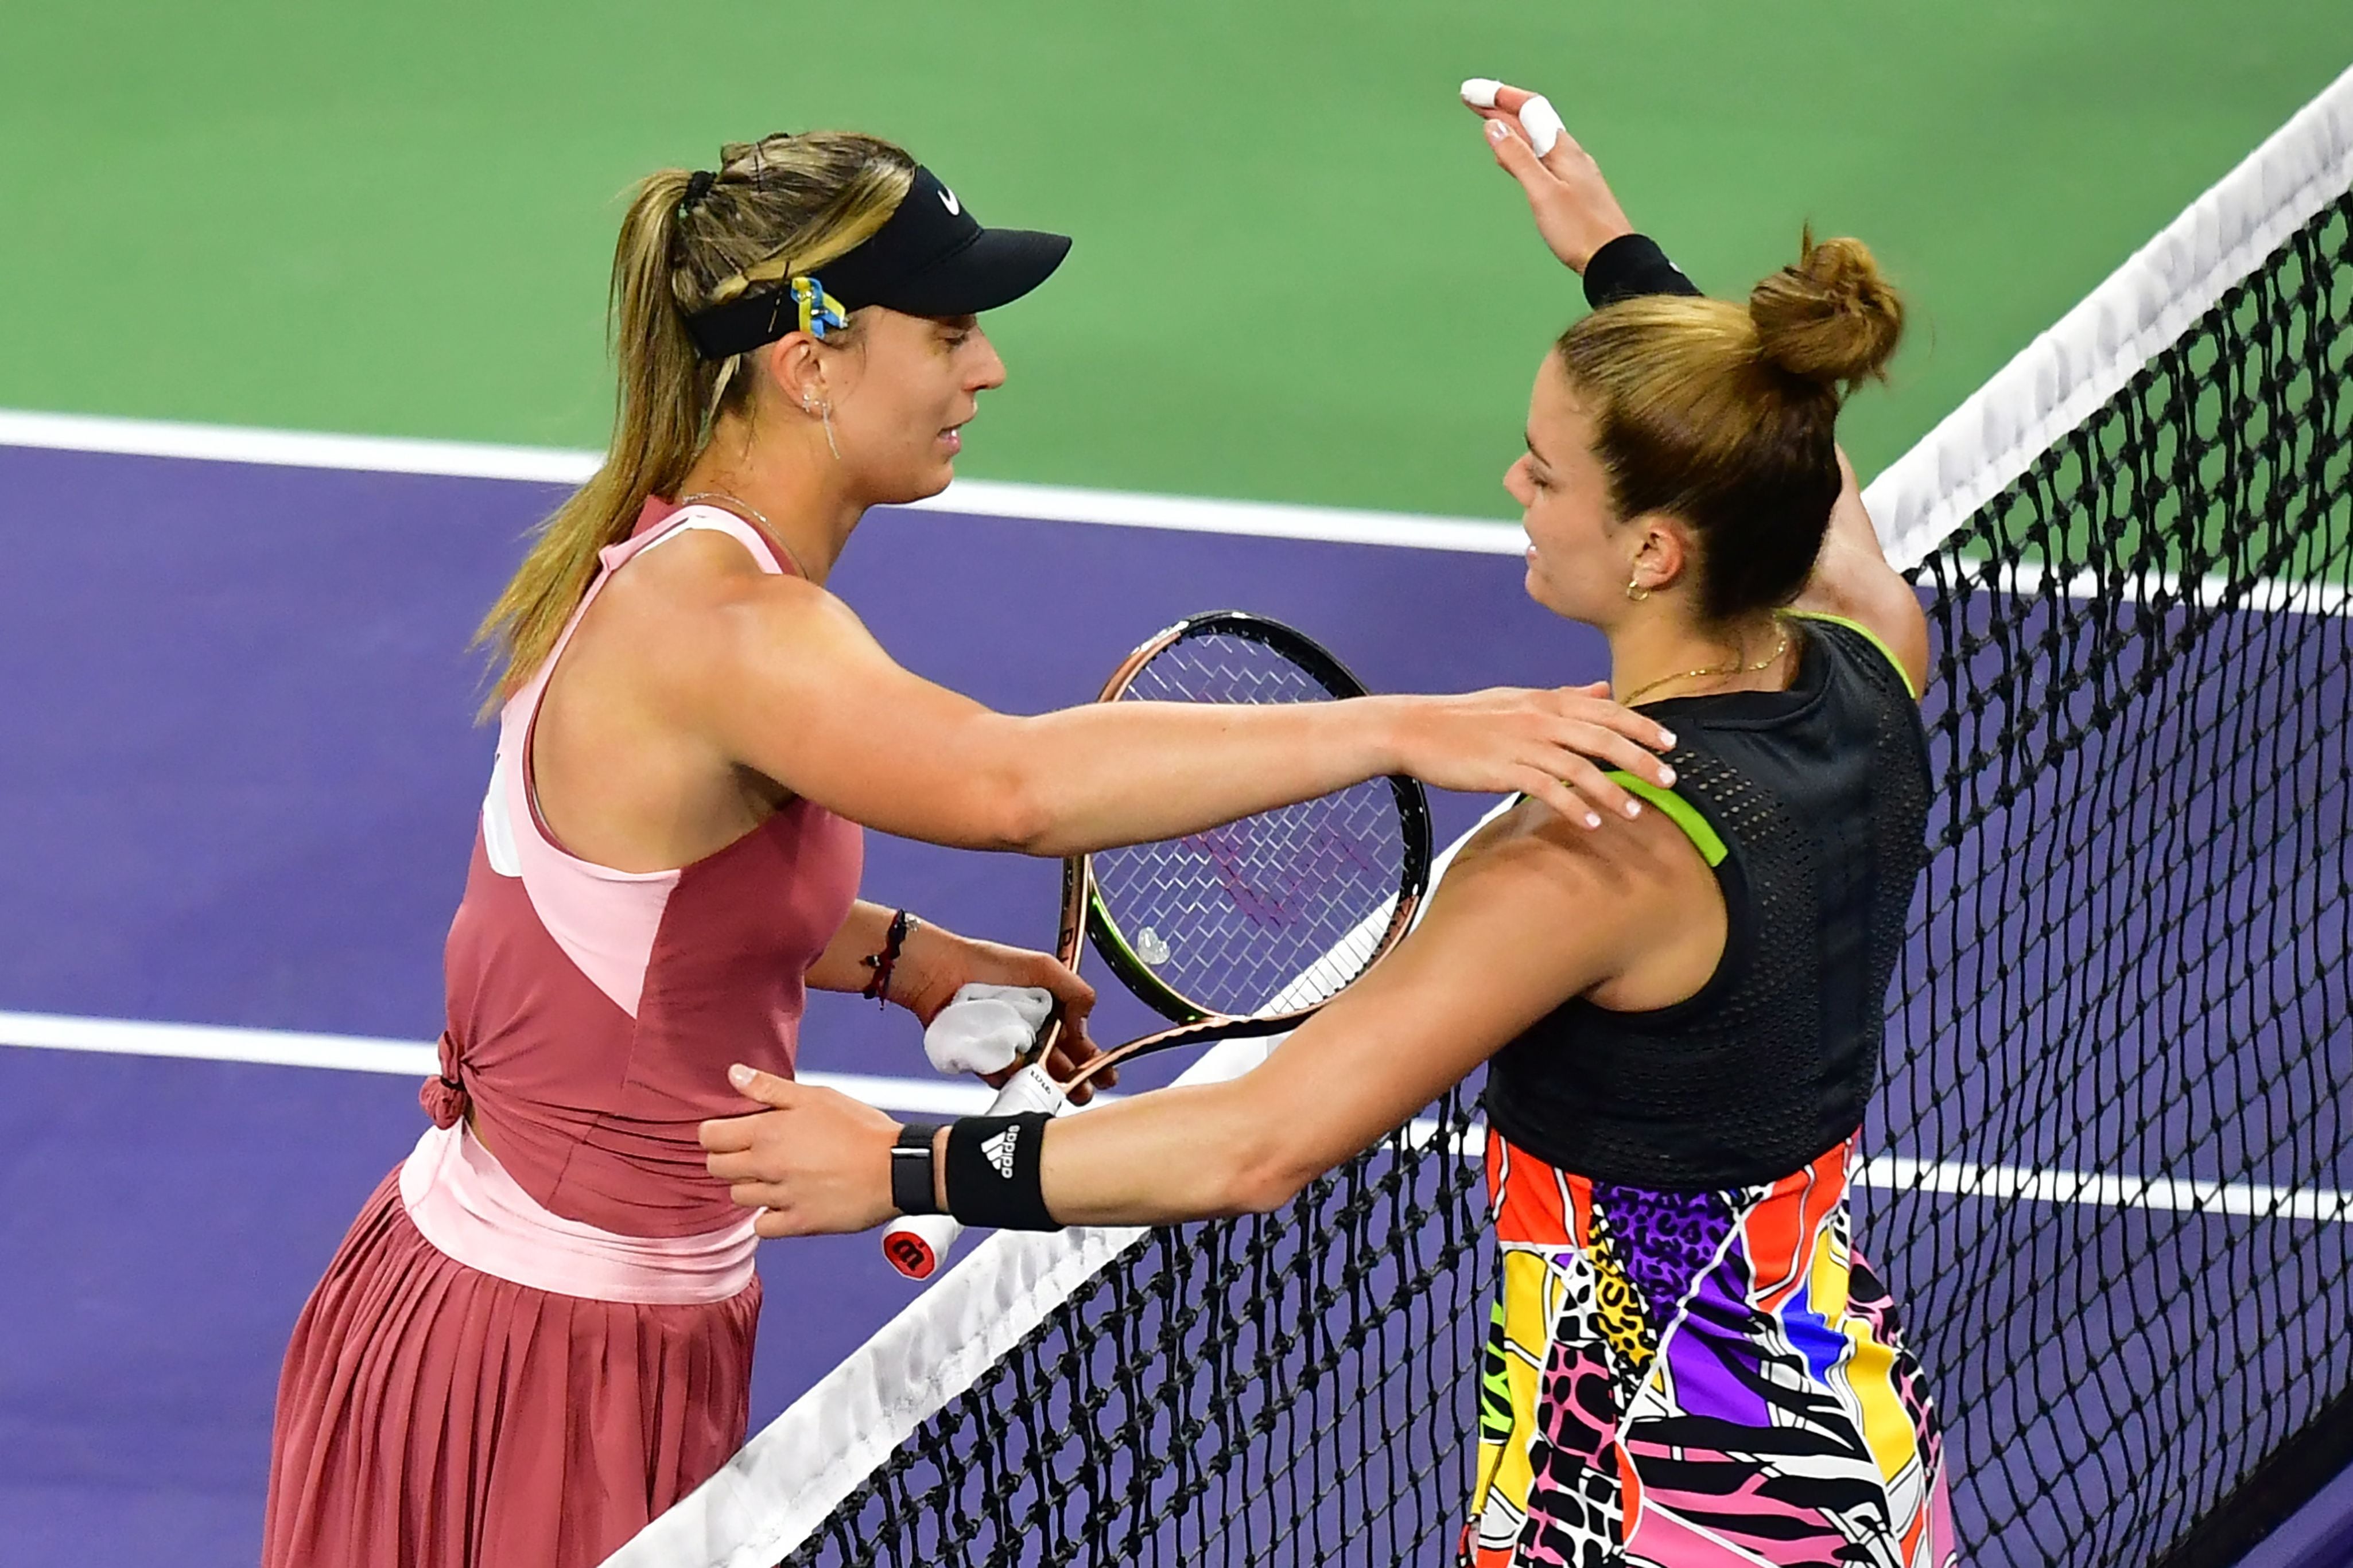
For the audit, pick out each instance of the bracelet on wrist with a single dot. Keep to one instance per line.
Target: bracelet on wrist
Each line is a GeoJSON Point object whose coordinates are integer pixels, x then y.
{"type": "Point", "coordinates": [914, 1184]}
{"type": "Point", "coordinates": [903, 926]}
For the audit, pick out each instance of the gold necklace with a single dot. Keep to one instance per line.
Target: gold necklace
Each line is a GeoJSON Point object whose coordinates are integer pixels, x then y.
{"type": "Point", "coordinates": [766, 527]}
{"type": "Point", "coordinates": [1734, 667]}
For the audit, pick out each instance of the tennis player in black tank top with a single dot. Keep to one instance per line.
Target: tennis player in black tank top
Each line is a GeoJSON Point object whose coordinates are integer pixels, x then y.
{"type": "Point", "coordinates": [1690, 1365]}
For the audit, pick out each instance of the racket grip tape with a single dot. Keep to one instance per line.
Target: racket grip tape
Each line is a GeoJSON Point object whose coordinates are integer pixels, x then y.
{"type": "Point", "coordinates": [916, 1244]}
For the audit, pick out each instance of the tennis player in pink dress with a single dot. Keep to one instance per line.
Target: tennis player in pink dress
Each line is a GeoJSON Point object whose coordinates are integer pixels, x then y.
{"type": "Point", "coordinates": [538, 1334]}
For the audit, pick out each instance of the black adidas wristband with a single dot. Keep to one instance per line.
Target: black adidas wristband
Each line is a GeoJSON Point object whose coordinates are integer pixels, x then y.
{"type": "Point", "coordinates": [1630, 266]}
{"type": "Point", "coordinates": [993, 1171]}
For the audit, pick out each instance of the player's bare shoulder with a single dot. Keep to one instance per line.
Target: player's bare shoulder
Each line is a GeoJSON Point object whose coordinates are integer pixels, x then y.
{"type": "Point", "coordinates": [1534, 854]}
{"type": "Point", "coordinates": [701, 600]}
{"type": "Point", "coordinates": [701, 569]}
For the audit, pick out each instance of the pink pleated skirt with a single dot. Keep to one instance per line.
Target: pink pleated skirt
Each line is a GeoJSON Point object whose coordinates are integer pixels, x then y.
{"type": "Point", "coordinates": [431, 1415]}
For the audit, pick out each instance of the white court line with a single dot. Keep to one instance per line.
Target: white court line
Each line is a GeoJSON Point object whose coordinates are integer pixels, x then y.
{"type": "Point", "coordinates": [399, 1058]}
{"type": "Point", "coordinates": [560, 466]}
{"type": "Point", "coordinates": [1887, 1172]}
{"type": "Point", "coordinates": [1899, 1173]}
{"type": "Point", "coordinates": [977, 497]}
{"type": "Point", "coordinates": [2277, 595]}
{"type": "Point", "coordinates": [293, 449]}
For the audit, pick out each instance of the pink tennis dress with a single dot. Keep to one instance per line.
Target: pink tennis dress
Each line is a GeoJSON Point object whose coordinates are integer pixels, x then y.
{"type": "Point", "coordinates": [517, 1358]}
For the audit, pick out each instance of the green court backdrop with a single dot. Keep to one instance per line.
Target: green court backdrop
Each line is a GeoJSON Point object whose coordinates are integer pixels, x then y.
{"type": "Point", "coordinates": [1297, 275]}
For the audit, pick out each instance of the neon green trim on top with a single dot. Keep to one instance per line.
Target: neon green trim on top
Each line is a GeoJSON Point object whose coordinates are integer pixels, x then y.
{"type": "Point", "coordinates": [1679, 811]}
{"type": "Point", "coordinates": [1901, 674]}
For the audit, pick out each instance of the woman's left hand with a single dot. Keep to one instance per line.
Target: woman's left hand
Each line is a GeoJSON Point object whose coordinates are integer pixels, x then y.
{"type": "Point", "coordinates": [817, 1161]}
{"type": "Point", "coordinates": [1576, 211]}
{"type": "Point", "coordinates": [938, 962]}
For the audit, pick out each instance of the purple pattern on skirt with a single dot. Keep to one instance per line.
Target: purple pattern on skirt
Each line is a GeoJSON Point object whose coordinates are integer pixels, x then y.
{"type": "Point", "coordinates": [1670, 1238]}
{"type": "Point", "coordinates": [1711, 1353]}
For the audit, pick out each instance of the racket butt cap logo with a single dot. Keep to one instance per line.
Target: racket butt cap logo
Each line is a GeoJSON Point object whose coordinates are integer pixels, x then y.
{"type": "Point", "coordinates": [910, 1253]}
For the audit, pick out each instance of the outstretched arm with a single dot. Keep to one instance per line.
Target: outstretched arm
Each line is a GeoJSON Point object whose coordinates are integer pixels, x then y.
{"type": "Point", "coordinates": [1532, 913]}
{"type": "Point", "coordinates": [1515, 929]}
{"type": "Point", "coordinates": [777, 676]}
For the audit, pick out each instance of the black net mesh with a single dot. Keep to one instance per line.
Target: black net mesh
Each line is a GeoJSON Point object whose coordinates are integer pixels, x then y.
{"type": "Point", "coordinates": [1293, 1388]}
{"type": "Point", "coordinates": [2131, 955]}
{"type": "Point", "coordinates": [2129, 960]}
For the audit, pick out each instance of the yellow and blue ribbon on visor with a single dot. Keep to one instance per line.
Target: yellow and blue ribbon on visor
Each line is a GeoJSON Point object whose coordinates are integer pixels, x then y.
{"type": "Point", "coordinates": [820, 312]}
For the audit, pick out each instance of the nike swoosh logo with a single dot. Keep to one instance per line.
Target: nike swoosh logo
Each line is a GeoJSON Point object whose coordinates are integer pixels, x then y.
{"type": "Point", "coordinates": [947, 200]}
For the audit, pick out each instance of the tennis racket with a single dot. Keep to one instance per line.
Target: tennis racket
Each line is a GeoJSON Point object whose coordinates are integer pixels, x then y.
{"type": "Point", "coordinates": [1238, 930]}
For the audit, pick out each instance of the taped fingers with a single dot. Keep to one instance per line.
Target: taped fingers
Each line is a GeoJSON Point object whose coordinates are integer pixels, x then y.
{"type": "Point", "coordinates": [1485, 94]}
{"type": "Point", "coordinates": [1542, 123]}
{"type": "Point", "coordinates": [1538, 119]}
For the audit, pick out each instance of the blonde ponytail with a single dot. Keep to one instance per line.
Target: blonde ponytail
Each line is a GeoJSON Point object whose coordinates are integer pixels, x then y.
{"type": "Point", "coordinates": [779, 205]}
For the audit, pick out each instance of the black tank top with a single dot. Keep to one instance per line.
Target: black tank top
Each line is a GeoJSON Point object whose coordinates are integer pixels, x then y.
{"type": "Point", "coordinates": [1812, 803]}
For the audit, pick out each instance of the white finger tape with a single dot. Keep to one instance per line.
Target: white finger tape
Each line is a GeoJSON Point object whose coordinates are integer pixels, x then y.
{"type": "Point", "coordinates": [1479, 91]}
{"type": "Point", "coordinates": [1542, 123]}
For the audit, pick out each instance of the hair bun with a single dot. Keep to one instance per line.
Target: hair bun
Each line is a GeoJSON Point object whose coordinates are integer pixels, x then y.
{"type": "Point", "coordinates": [1834, 318]}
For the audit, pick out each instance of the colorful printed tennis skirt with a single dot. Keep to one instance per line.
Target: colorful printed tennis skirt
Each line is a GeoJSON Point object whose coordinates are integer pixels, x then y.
{"type": "Point", "coordinates": [1696, 1380]}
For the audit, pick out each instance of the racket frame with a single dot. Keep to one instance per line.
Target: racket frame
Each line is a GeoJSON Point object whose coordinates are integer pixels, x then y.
{"type": "Point", "coordinates": [916, 1244]}
{"type": "Point", "coordinates": [1083, 904]}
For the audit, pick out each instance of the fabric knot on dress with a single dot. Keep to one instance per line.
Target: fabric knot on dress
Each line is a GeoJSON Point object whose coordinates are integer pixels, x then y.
{"type": "Point", "coordinates": [444, 1099]}
{"type": "Point", "coordinates": [444, 1096]}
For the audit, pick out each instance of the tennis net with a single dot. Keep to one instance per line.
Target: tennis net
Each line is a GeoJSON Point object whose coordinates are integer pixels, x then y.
{"type": "Point", "coordinates": [2108, 1172]}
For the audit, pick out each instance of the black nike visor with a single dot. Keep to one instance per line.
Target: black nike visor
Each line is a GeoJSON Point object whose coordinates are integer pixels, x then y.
{"type": "Point", "coordinates": [930, 257]}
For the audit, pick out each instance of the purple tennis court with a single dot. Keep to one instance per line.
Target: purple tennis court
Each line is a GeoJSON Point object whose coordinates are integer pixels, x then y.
{"type": "Point", "coordinates": [243, 794]}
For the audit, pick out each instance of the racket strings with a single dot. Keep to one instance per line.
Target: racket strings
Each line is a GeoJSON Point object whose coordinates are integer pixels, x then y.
{"type": "Point", "coordinates": [1275, 912]}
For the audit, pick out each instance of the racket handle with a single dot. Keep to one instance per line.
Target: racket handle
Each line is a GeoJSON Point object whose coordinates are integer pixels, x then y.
{"type": "Point", "coordinates": [916, 1244]}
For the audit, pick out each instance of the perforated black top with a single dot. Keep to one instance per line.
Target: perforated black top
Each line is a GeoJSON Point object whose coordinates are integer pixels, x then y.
{"type": "Point", "coordinates": [1820, 794]}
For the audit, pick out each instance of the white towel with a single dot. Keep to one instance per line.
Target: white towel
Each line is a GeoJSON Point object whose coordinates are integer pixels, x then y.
{"type": "Point", "coordinates": [985, 1027]}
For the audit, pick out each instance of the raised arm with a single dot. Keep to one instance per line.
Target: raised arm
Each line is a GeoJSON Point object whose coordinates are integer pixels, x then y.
{"type": "Point", "coordinates": [780, 678]}
{"type": "Point", "coordinates": [1581, 220]}
{"type": "Point", "coordinates": [1852, 579]}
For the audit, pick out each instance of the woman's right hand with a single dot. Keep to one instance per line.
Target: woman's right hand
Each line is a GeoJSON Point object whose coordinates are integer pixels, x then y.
{"type": "Point", "coordinates": [1553, 747]}
{"type": "Point", "coordinates": [1574, 209]}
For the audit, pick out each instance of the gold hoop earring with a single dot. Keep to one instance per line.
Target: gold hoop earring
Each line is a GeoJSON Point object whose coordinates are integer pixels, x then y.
{"type": "Point", "coordinates": [1635, 591]}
